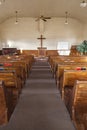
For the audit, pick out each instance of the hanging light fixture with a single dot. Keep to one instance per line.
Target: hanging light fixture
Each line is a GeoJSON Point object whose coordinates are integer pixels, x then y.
{"type": "Point", "coordinates": [66, 17]}
{"type": "Point", "coordinates": [41, 26]}
{"type": "Point", "coordinates": [16, 21]}
{"type": "Point", "coordinates": [83, 4]}
{"type": "Point", "coordinates": [2, 1]}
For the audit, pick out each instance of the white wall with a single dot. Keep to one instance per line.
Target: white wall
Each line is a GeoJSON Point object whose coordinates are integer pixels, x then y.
{"type": "Point", "coordinates": [25, 33]}
{"type": "Point", "coordinates": [0, 40]}
{"type": "Point", "coordinates": [85, 32]}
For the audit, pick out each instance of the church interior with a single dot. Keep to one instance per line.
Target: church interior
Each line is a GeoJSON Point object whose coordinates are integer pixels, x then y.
{"type": "Point", "coordinates": [43, 65]}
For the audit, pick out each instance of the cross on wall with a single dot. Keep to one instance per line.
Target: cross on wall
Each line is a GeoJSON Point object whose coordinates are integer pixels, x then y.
{"type": "Point", "coordinates": [41, 38]}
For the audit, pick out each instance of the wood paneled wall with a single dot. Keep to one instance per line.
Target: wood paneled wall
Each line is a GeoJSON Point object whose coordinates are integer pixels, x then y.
{"type": "Point", "coordinates": [35, 52]}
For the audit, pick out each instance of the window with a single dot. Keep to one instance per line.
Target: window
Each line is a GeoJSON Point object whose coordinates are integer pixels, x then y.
{"type": "Point", "coordinates": [63, 48]}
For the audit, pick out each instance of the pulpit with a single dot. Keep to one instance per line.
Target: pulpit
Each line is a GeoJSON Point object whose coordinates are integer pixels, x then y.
{"type": "Point", "coordinates": [42, 51]}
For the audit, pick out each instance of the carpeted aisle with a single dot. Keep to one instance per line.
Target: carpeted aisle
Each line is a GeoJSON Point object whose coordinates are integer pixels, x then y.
{"type": "Point", "coordinates": [40, 106]}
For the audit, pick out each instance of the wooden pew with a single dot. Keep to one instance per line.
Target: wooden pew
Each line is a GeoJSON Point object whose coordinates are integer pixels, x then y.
{"type": "Point", "coordinates": [68, 79]}
{"type": "Point", "coordinates": [85, 121]}
{"type": "Point", "coordinates": [23, 65]}
{"type": "Point", "coordinates": [6, 107]}
{"type": "Point", "coordinates": [18, 70]}
{"type": "Point", "coordinates": [23, 61]}
{"type": "Point", "coordinates": [55, 60]}
{"type": "Point", "coordinates": [3, 106]}
{"type": "Point", "coordinates": [12, 72]}
{"type": "Point", "coordinates": [69, 66]}
{"type": "Point", "coordinates": [77, 105]}
{"type": "Point", "coordinates": [12, 83]}
{"type": "Point", "coordinates": [18, 65]}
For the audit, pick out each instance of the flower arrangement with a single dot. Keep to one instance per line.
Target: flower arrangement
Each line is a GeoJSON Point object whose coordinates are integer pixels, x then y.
{"type": "Point", "coordinates": [82, 48]}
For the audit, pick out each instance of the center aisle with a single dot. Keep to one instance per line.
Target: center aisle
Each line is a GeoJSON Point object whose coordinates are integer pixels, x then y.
{"type": "Point", "coordinates": [40, 106]}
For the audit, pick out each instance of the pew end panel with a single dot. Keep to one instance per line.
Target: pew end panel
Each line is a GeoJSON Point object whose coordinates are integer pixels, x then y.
{"type": "Point", "coordinates": [69, 77]}
{"type": "Point", "coordinates": [3, 105]}
{"type": "Point", "coordinates": [78, 109]}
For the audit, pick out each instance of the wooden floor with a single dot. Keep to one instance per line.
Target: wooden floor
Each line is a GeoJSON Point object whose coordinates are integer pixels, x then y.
{"type": "Point", "coordinates": [40, 106]}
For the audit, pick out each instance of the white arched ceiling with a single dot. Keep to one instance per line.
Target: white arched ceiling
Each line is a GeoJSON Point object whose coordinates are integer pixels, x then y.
{"type": "Point", "coordinates": [35, 8]}
{"type": "Point", "coordinates": [25, 34]}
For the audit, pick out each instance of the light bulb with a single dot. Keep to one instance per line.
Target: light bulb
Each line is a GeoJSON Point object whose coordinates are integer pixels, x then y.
{"type": "Point", "coordinates": [1, 1]}
{"type": "Point", "coordinates": [66, 22]}
{"type": "Point", "coordinates": [16, 22]}
{"type": "Point", "coordinates": [83, 4]}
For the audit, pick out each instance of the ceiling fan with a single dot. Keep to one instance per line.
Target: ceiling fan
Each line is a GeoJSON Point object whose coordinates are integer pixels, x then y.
{"type": "Point", "coordinates": [43, 18]}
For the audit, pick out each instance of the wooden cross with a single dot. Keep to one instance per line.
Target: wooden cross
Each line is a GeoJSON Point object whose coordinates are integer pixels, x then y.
{"type": "Point", "coordinates": [41, 38]}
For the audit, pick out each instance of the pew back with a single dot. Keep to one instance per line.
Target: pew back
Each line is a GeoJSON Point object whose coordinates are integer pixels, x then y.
{"type": "Point", "coordinates": [68, 66]}
{"type": "Point", "coordinates": [69, 77]}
